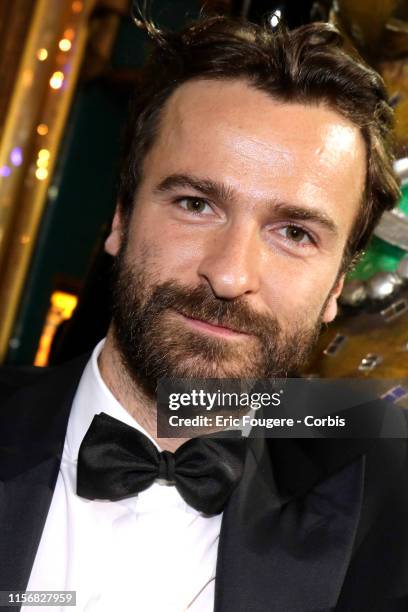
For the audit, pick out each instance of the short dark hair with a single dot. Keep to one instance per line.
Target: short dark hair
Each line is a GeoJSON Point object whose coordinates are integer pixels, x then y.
{"type": "Point", "coordinates": [311, 64]}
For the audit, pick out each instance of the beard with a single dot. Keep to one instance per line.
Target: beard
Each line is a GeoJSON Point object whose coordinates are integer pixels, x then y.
{"type": "Point", "coordinates": [154, 342]}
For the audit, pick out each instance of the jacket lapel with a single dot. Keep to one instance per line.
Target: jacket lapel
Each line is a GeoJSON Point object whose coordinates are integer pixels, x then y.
{"type": "Point", "coordinates": [33, 423]}
{"type": "Point", "coordinates": [288, 531]}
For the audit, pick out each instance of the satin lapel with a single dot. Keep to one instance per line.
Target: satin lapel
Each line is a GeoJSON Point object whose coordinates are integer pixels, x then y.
{"type": "Point", "coordinates": [32, 424]}
{"type": "Point", "coordinates": [289, 551]}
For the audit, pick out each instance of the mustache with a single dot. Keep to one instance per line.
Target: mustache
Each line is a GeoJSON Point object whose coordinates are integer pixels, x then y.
{"type": "Point", "coordinates": [201, 303]}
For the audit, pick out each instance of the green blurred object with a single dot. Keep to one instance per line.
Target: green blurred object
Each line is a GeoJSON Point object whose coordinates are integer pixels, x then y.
{"type": "Point", "coordinates": [403, 205]}
{"type": "Point", "coordinates": [380, 255]}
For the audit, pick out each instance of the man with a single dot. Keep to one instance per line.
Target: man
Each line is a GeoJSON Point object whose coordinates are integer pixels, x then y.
{"type": "Point", "coordinates": [256, 165]}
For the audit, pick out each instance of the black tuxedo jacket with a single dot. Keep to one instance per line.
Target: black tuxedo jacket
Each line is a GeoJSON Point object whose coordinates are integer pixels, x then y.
{"type": "Point", "coordinates": [315, 525]}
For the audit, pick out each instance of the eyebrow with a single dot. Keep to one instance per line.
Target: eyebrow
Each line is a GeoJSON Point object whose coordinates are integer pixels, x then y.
{"type": "Point", "coordinates": [219, 191]}
{"type": "Point", "coordinates": [212, 189]}
{"type": "Point", "coordinates": [307, 214]}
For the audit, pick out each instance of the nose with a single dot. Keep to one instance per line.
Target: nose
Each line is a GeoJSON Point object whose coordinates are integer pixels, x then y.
{"type": "Point", "coordinates": [231, 263]}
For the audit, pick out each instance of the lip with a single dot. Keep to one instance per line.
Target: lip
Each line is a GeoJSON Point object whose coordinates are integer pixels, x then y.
{"type": "Point", "coordinates": [211, 328]}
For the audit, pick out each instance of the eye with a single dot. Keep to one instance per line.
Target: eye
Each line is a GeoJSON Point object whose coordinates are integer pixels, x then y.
{"type": "Point", "coordinates": [296, 234]}
{"type": "Point", "coordinates": [194, 205]}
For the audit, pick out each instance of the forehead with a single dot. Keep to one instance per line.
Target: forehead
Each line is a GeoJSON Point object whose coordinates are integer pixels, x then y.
{"type": "Point", "coordinates": [231, 132]}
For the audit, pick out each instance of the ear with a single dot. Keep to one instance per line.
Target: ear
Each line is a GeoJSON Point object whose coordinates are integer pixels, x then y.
{"type": "Point", "coordinates": [330, 310]}
{"type": "Point", "coordinates": [114, 240]}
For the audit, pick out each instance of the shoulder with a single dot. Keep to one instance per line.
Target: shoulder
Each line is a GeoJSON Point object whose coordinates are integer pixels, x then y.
{"type": "Point", "coordinates": [378, 569]}
{"type": "Point", "coordinates": [15, 377]}
{"type": "Point", "coordinates": [32, 390]}
{"type": "Point", "coordinates": [35, 405]}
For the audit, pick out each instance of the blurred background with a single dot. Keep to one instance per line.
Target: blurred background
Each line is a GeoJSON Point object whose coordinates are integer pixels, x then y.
{"type": "Point", "coordinates": [68, 69]}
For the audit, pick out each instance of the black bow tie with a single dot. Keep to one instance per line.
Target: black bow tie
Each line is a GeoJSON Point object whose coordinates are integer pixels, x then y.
{"type": "Point", "coordinates": [116, 461]}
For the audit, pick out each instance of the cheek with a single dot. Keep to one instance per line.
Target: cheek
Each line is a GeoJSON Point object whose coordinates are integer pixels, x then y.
{"type": "Point", "coordinates": [167, 249]}
{"type": "Point", "coordinates": [296, 290]}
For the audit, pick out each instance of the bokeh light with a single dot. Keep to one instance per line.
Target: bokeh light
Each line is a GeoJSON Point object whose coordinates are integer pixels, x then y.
{"type": "Point", "coordinates": [65, 44]}
{"type": "Point", "coordinates": [42, 163]}
{"type": "Point", "coordinates": [44, 154]}
{"type": "Point", "coordinates": [16, 156]}
{"type": "Point", "coordinates": [77, 6]}
{"type": "Point", "coordinates": [42, 129]}
{"type": "Point", "coordinates": [41, 174]}
{"type": "Point", "coordinates": [57, 80]}
{"type": "Point", "coordinates": [42, 54]}
{"type": "Point", "coordinates": [69, 34]}
{"type": "Point", "coordinates": [5, 171]}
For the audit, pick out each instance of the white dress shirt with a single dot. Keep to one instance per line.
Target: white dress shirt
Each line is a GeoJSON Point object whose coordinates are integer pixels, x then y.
{"type": "Point", "coordinates": [148, 553]}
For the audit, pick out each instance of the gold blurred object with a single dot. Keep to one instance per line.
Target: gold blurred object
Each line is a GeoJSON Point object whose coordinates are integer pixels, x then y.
{"type": "Point", "coordinates": [102, 35]}
{"type": "Point", "coordinates": [61, 309]}
{"type": "Point", "coordinates": [41, 97]}
{"type": "Point", "coordinates": [395, 74]}
{"type": "Point", "coordinates": [14, 26]}
{"type": "Point", "coordinates": [379, 30]}
{"type": "Point", "coordinates": [365, 21]}
{"type": "Point", "coordinates": [396, 38]}
{"type": "Point", "coordinates": [365, 345]}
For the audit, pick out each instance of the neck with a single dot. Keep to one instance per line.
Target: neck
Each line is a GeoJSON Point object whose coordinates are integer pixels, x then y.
{"type": "Point", "coordinates": [130, 395]}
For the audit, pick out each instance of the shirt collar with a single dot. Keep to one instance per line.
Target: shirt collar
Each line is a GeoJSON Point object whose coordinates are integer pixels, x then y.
{"type": "Point", "coordinates": [92, 397]}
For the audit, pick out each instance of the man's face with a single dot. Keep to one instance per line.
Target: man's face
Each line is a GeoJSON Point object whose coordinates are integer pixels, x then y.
{"type": "Point", "coordinates": [229, 263]}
